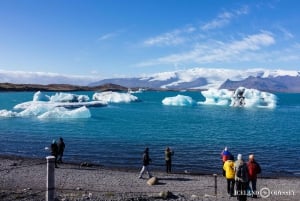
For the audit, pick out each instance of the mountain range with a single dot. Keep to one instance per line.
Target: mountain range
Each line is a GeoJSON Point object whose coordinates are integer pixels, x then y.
{"type": "Point", "coordinates": [203, 78]}
{"type": "Point", "coordinates": [190, 79]}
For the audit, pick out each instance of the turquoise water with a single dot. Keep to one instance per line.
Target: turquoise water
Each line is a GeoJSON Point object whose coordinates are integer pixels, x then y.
{"type": "Point", "coordinates": [116, 135]}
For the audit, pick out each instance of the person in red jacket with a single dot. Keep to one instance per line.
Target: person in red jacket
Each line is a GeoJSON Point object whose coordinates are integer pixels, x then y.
{"type": "Point", "coordinates": [253, 170]}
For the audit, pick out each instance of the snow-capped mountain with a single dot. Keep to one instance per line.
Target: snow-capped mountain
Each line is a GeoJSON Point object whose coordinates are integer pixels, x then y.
{"type": "Point", "coordinates": [204, 78]}
{"type": "Point", "coordinates": [195, 78]}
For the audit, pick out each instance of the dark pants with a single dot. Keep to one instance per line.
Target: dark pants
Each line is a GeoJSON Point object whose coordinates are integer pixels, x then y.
{"type": "Point", "coordinates": [241, 190]}
{"type": "Point", "coordinates": [253, 186]}
{"type": "Point", "coordinates": [168, 166]}
{"type": "Point", "coordinates": [55, 161]}
{"type": "Point", "coordinates": [59, 157]}
{"type": "Point", "coordinates": [230, 186]}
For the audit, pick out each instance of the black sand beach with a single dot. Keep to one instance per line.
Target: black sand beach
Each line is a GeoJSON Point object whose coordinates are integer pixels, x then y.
{"type": "Point", "coordinates": [25, 179]}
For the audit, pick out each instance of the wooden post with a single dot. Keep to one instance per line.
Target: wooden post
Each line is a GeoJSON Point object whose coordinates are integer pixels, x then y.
{"type": "Point", "coordinates": [50, 185]}
{"type": "Point", "coordinates": [216, 186]}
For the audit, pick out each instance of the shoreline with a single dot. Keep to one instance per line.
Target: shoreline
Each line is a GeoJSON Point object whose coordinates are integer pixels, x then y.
{"type": "Point", "coordinates": [132, 169]}
{"type": "Point", "coordinates": [24, 178]}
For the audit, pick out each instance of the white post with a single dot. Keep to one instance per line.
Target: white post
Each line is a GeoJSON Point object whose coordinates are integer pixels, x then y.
{"type": "Point", "coordinates": [216, 186]}
{"type": "Point", "coordinates": [50, 191]}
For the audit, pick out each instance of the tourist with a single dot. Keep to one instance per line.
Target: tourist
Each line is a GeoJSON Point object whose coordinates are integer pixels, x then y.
{"type": "Point", "coordinates": [61, 147]}
{"type": "Point", "coordinates": [241, 178]}
{"type": "Point", "coordinates": [146, 162]}
{"type": "Point", "coordinates": [225, 154]}
{"type": "Point", "coordinates": [54, 151]}
{"type": "Point", "coordinates": [253, 170]}
{"type": "Point", "coordinates": [168, 159]}
{"type": "Point", "coordinates": [230, 175]}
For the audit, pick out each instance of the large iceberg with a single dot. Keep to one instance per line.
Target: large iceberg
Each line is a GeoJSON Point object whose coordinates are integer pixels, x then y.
{"type": "Point", "coordinates": [179, 100]}
{"type": "Point", "coordinates": [241, 97]}
{"type": "Point", "coordinates": [60, 105]}
{"type": "Point", "coordinates": [114, 97]}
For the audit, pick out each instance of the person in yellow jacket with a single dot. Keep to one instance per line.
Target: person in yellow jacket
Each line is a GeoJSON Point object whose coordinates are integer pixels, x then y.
{"type": "Point", "coordinates": [228, 167]}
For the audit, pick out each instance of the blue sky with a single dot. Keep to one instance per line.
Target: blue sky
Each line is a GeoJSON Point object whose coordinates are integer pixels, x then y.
{"type": "Point", "coordinates": [113, 38]}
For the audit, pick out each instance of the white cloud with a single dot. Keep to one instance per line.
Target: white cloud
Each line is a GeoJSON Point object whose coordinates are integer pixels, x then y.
{"type": "Point", "coordinates": [106, 36]}
{"type": "Point", "coordinates": [287, 35]}
{"type": "Point", "coordinates": [224, 18]}
{"type": "Point", "coordinates": [22, 77]}
{"type": "Point", "coordinates": [217, 51]}
{"type": "Point", "coordinates": [172, 38]}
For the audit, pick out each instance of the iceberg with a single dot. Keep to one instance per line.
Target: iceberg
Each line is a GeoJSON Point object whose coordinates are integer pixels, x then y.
{"type": "Point", "coordinates": [68, 98]}
{"type": "Point", "coordinates": [241, 97]}
{"type": "Point", "coordinates": [114, 97]}
{"type": "Point", "coordinates": [216, 97]}
{"type": "Point", "coordinates": [7, 113]}
{"type": "Point", "coordinates": [60, 105]}
{"type": "Point", "coordinates": [244, 97]}
{"type": "Point", "coordinates": [179, 100]}
{"type": "Point", "coordinates": [61, 112]}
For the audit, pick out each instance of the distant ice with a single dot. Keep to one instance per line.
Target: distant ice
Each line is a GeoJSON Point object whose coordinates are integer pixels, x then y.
{"type": "Point", "coordinates": [178, 100]}
{"type": "Point", "coordinates": [114, 97]}
{"type": "Point", "coordinates": [241, 97]}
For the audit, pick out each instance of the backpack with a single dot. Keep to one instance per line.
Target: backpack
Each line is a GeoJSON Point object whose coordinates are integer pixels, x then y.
{"type": "Point", "coordinates": [242, 172]}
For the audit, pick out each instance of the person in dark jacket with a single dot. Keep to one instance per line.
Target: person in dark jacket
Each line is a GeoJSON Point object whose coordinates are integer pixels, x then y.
{"type": "Point", "coordinates": [146, 161]}
{"type": "Point", "coordinates": [241, 178]}
{"type": "Point", "coordinates": [54, 151]}
{"type": "Point", "coordinates": [253, 170]}
{"type": "Point", "coordinates": [168, 159]}
{"type": "Point", "coordinates": [61, 148]}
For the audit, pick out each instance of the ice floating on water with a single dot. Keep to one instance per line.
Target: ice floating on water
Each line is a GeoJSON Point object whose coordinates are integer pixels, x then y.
{"type": "Point", "coordinates": [60, 105]}
{"type": "Point", "coordinates": [253, 98]}
{"type": "Point", "coordinates": [69, 98]}
{"type": "Point", "coordinates": [178, 100]}
{"type": "Point", "coordinates": [216, 97]}
{"type": "Point", "coordinates": [114, 97]}
{"type": "Point", "coordinates": [61, 112]}
{"type": "Point", "coordinates": [6, 113]}
{"type": "Point", "coordinates": [241, 97]}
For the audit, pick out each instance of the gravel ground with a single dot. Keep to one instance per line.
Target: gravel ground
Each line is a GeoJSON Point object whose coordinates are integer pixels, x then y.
{"type": "Point", "coordinates": [25, 179]}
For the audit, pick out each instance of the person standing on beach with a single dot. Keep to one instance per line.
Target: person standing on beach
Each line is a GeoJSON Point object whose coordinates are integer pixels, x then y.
{"type": "Point", "coordinates": [241, 178]}
{"type": "Point", "coordinates": [54, 151]}
{"type": "Point", "coordinates": [230, 175]}
{"type": "Point", "coordinates": [225, 154]}
{"type": "Point", "coordinates": [168, 158]}
{"type": "Point", "coordinates": [146, 162]}
{"type": "Point", "coordinates": [61, 148]}
{"type": "Point", "coordinates": [253, 170]}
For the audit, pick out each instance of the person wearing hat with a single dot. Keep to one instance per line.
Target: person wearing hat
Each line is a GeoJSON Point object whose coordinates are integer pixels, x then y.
{"type": "Point", "coordinates": [241, 178]}
{"type": "Point", "coordinates": [253, 169]}
{"type": "Point", "coordinates": [228, 167]}
{"type": "Point", "coordinates": [225, 155]}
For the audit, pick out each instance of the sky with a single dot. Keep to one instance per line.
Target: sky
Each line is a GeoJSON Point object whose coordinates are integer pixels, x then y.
{"type": "Point", "coordinates": [126, 38]}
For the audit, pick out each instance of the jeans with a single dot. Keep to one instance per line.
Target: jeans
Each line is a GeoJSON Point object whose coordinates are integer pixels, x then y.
{"type": "Point", "coordinates": [253, 186]}
{"type": "Point", "coordinates": [145, 168]}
